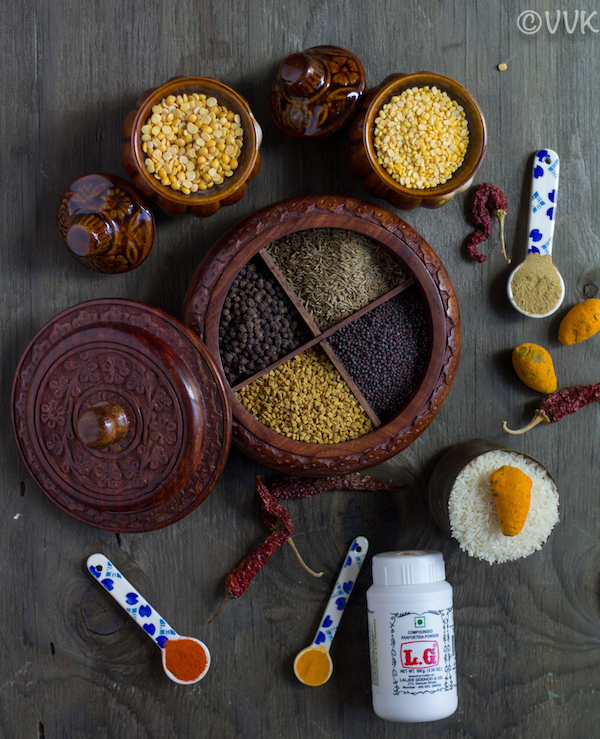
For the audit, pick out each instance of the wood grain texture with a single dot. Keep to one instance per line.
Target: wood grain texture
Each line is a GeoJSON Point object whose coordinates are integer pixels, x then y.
{"type": "Point", "coordinates": [528, 632]}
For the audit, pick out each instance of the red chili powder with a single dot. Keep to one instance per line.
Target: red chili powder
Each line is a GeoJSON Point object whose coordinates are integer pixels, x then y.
{"type": "Point", "coordinates": [185, 659]}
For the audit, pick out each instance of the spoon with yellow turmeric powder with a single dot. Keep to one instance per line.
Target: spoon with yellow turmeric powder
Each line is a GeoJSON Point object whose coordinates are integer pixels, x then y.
{"type": "Point", "coordinates": [313, 665]}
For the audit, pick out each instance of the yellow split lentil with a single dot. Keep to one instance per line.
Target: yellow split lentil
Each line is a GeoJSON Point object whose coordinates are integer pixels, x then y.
{"type": "Point", "coordinates": [191, 142]}
{"type": "Point", "coordinates": [421, 137]}
{"type": "Point", "coordinates": [306, 399]}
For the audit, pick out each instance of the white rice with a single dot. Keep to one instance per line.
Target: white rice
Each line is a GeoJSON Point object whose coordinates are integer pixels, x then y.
{"type": "Point", "coordinates": [474, 518]}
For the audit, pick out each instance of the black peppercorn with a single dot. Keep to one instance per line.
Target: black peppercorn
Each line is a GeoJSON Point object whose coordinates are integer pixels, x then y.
{"type": "Point", "coordinates": [258, 324]}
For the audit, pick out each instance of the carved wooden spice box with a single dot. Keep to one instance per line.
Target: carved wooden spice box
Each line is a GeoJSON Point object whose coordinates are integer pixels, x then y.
{"type": "Point", "coordinates": [246, 251]}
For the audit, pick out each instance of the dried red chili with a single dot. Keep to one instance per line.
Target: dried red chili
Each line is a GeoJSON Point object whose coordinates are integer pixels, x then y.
{"type": "Point", "coordinates": [276, 518]}
{"type": "Point", "coordinates": [560, 404]}
{"type": "Point", "coordinates": [305, 487]}
{"type": "Point", "coordinates": [487, 198]}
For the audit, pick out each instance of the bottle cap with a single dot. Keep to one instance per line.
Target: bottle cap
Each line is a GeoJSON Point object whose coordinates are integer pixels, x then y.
{"type": "Point", "coordinates": [416, 567]}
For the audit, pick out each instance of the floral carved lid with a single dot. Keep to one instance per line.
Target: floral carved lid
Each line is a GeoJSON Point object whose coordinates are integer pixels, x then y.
{"type": "Point", "coordinates": [120, 415]}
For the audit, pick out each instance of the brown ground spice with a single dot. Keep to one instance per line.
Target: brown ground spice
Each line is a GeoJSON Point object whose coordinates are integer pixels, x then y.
{"type": "Point", "coordinates": [536, 285]}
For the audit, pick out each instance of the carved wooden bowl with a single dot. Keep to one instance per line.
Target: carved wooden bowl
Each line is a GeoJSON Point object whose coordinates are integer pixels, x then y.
{"type": "Point", "coordinates": [249, 239]}
{"type": "Point", "coordinates": [363, 157]}
{"type": "Point", "coordinates": [200, 203]}
{"type": "Point", "coordinates": [120, 415]}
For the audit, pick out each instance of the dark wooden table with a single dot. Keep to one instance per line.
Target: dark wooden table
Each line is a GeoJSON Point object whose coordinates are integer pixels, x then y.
{"type": "Point", "coordinates": [528, 633]}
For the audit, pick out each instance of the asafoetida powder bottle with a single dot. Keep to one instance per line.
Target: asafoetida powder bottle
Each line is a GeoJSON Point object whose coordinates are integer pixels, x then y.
{"type": "Point", "coordinates": [411, 637]}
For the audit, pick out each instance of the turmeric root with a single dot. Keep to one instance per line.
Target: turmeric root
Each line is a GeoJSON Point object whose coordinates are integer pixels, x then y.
{"type": "Point", "coordinates": [581, 322]}
{"type": "Point", "coordinates": [511, 489]}
{"type": "Point", "coordinates": [534, 366]}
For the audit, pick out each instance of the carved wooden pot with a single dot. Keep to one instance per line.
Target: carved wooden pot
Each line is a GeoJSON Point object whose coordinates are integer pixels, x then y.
{"type": "Point", "coordinates": [363, 157]}
{"type": "Point", "coordinates": [120, 415]}
{"type": "Point", "coordinates": [250, 238]}
{"type": "Point", "coordinates": [205, 203]}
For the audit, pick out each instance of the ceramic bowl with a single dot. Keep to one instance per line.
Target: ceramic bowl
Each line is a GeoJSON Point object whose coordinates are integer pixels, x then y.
{"type": "Point", "coordinates": [375, 179]}
{"type": "Point", "coordinates": [249, 241]}
{"type": "Point", "coordinates": [200, 203]}
{"type": "Point", "coordinates": [482, 537]}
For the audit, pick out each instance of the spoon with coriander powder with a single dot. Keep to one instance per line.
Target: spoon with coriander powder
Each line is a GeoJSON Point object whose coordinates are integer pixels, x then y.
{"type": "Point", "coordinates": [185, 659]}
{"type": "Point", "coordinates": [313, 665]}
{"type": "Point", "coordinates": [536, 288]}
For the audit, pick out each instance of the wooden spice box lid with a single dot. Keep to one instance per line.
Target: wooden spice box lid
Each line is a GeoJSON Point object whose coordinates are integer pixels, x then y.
{"type": "Point", "coordinates": [215, 275]}
{"type": "Point", "coordinates": [121, 415]}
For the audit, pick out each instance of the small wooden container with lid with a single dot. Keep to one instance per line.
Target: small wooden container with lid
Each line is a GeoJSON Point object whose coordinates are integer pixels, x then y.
{"type": "Point", "coordinates": [363, 156]}
{"type": "Point", "coordinates": [201, 203]}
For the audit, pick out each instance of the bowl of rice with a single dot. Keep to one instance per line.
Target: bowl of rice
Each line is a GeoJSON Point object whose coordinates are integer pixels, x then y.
{"type": "Point", "coordinates": [462, 504]}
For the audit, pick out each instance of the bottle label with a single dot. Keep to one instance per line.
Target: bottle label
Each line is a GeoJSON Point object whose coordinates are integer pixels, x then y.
{"type": "Point", "coordinates": [422, 655]}
{"type": "Point", "coordinates": [374, 652]}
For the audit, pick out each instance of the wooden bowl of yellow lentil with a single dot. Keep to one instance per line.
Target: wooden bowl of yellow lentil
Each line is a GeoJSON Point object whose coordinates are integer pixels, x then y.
{"type": "Point", "coordinates": [191, 145]}
{"type": "Point", "coordinates": [307, 407]}
{"type": "Point", "coordinates": [418, 140]}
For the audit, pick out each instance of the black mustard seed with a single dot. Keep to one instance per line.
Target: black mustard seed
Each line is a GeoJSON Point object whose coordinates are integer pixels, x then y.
{"type": "Point", "coordinates": [385, 351]}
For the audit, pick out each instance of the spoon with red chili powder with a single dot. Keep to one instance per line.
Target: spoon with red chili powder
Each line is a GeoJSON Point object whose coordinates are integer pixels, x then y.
{"type": "Point", "coordinates": [185, 659]}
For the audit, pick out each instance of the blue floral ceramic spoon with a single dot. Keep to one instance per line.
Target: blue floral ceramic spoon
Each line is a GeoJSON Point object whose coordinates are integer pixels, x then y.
{"type": "Point", "coordinates": [310, 665]}
{"type": "Point", "coordinates": [542, 217]}
{"type": "Point", "coordinates": [147, 618]}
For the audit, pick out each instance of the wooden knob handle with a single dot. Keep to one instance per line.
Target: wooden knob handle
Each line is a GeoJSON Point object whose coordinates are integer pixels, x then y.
{"type": "Point", "coordinates": [302, 75]}
{"type": "Point", "coordinates": [102, 425]}
{"type": "Point", "coordinates": [89, 235]}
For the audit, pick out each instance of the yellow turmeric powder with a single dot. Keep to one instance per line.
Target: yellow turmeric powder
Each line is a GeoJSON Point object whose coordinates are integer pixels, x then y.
{"type": "Point", "coordinates": [534, 366]}
{"type": "Point", "coordinates": [581, 322]}
{"type": "Point", "coordinates": [313, 666]}
{"type": "Point", "coordinates": [511, 489]}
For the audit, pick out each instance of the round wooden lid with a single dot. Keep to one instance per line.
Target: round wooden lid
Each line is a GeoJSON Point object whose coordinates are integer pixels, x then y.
{"type": "Point", "coordinates": [120, 415]}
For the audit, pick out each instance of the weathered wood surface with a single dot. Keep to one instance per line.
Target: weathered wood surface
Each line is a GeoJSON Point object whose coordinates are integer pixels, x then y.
{"type": "Point", "coordinates": [528, 633]}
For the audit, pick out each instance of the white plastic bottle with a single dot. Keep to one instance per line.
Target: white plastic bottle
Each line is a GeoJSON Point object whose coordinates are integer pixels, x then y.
{"type": "Point", "coordinates": [411, 637]}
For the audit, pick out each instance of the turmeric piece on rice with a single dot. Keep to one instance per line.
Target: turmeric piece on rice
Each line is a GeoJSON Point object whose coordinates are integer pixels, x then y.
{"type": "Point", "coordinates": [511, 489]}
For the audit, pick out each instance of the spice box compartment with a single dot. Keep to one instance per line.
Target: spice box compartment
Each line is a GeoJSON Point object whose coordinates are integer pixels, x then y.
{"type": "Point", "coordinates": [322, 339]}
{"type": "Point", "coordinates": [427, 278]}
